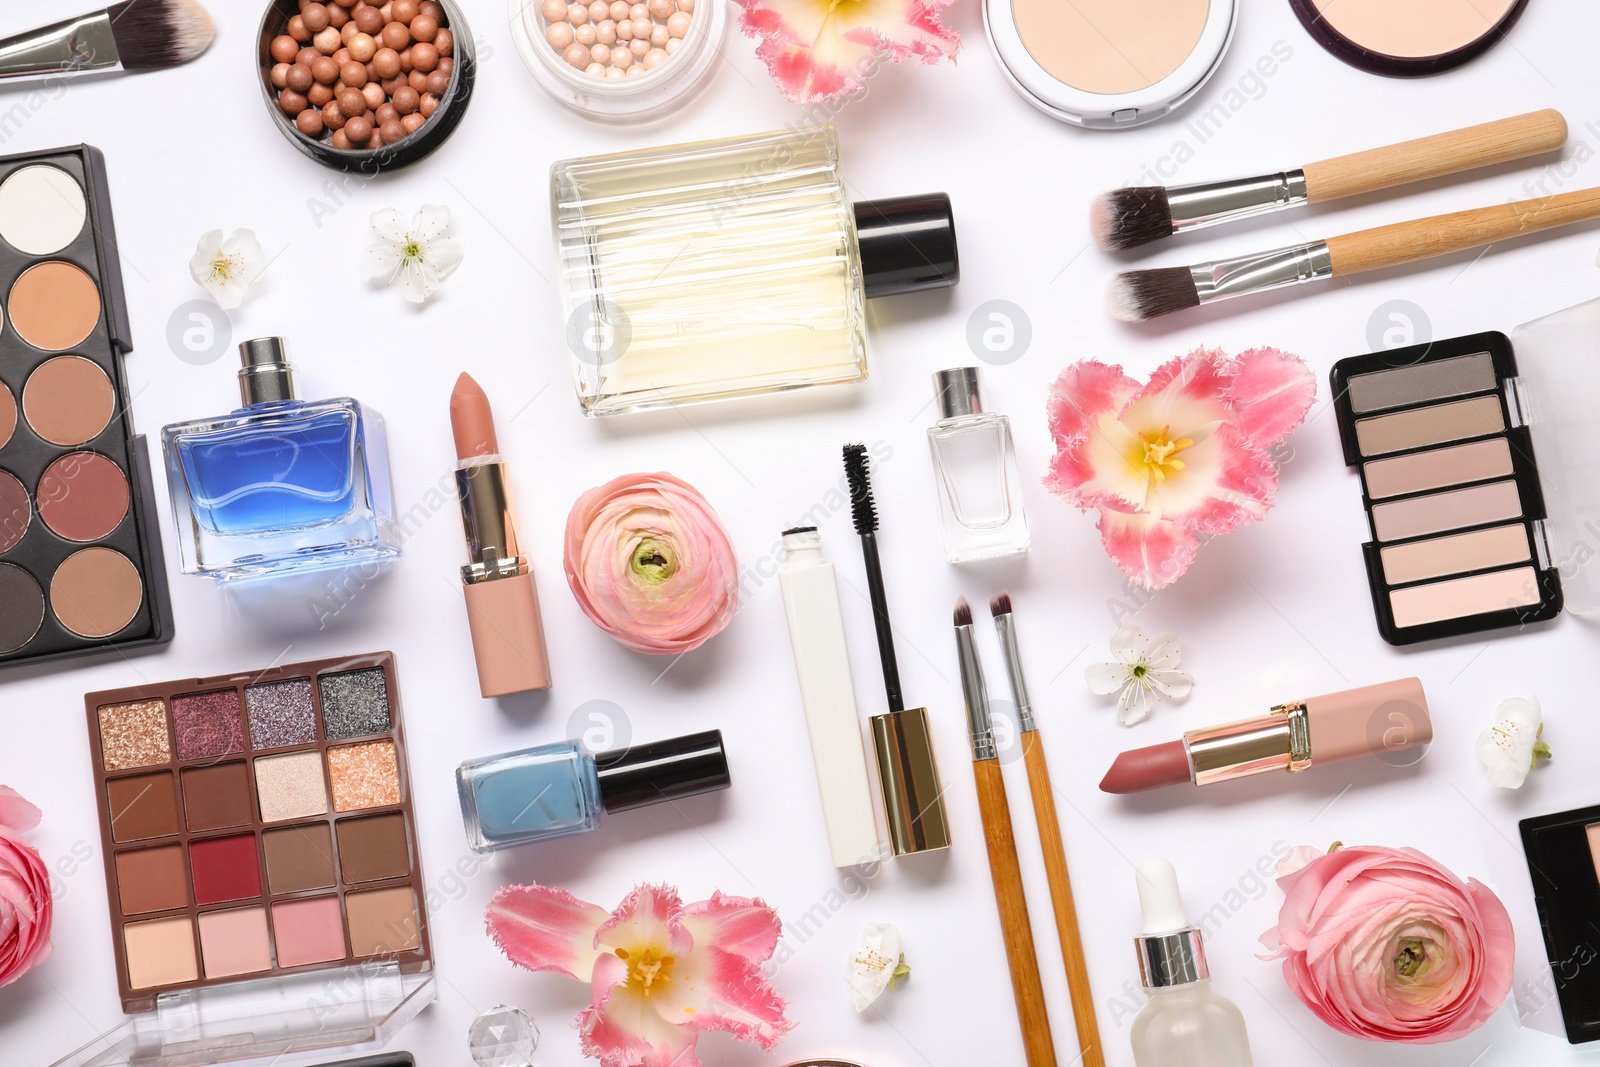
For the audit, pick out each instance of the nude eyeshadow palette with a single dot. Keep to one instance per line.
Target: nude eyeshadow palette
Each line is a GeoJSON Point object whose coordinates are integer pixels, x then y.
{"type": "Point", "coordinates": [1452, 492]}
{"type": "Point", "coordinates": [81, 568]}
{"type": "Point", "coordinates": [257, 825]}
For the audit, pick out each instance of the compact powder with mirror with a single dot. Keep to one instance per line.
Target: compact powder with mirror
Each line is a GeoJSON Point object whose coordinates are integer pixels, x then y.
{"type": "Point", "coordinates": [1108, 64]}
{"type": "Point", "coordinates": [1408, 38]}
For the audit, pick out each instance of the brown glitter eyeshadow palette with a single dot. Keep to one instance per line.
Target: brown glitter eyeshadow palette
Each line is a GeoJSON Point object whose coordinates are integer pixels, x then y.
{"type": "Point", "coordinates": [257, 825]}
{"type": "Point", "coordinates": [81, 568]}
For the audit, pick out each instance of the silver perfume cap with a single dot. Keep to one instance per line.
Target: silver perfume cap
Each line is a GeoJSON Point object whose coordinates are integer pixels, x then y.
{"type": "Point", "coordinates": [265, 375]}
{"type": "Point", "coordinates": [957, 389]}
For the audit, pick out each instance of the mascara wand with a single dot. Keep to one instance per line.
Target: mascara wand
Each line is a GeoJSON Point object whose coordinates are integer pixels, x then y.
{"type": "Point", "coordinates": [908, 775]}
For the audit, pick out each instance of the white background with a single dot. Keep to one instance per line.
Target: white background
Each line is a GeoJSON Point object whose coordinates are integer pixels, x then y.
{"type": "Point", "coordinates": [1270, 613]}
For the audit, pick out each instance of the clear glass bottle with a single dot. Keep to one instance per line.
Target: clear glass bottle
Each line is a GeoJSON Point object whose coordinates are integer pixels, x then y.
{"type": "Point", "coordinates": [730, 268]}
{"type": "Point", "coordinates": [975, 472]}
{"type": "Point", "coordinates": [281, 485]}
{"type": "Point", "coordinates": [555, 790]}
{"type": "Point", "coordinates": [1185, 1023]}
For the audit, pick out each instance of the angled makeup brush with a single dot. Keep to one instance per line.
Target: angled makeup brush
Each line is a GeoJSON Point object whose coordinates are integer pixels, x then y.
{"type": "Point", "coordinates": [137, 35]}
{"type": "Point", "coordinates": [1127, 218]}
{"type": "Point", "coordinates": [908, 774]}
{"type": "Point", "coordinates": [1055, 853]}
{"type": "Point", "coordinates": [1138, 295]}
{"type": "Point", "coordinates": [1004, 870]}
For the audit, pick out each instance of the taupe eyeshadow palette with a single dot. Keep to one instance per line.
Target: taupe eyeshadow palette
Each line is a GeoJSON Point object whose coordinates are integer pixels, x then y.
{"type": "Point", "coordinates": [1450, 487]}
{"type": "Point", "coordinates": [1563, 853]}
{"type": "Point", "coordinates": [257, 825]}
{"type": "Point", "coordinates": [81, 568]}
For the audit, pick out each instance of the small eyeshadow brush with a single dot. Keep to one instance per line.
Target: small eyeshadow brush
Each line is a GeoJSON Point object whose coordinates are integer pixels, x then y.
{"type": "Point", "coordinates": [1128, 218]}
{"type": "Point", "coordinates": [134, 36]}
{"type": "Point", "coordinates": [1144, 294]}
{"type": "Point", "coordinates": [1055, 852]}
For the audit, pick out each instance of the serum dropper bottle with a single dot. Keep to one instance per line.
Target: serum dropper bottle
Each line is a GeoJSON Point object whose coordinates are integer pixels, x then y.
{"type": "Point", "coordinates": [1184, 1023]}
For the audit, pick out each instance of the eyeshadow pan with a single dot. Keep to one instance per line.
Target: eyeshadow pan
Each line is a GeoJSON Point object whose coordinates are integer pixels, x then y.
{"type": "Point", "coordinates": [8, 415]}
{"type": "Point", "coordinates": [142, 807]}
{"type": "Point", "coordinates": [299, 858]}
{"type": "Point", "coordinates": [235, 942]}
{"type": "Point", "coordinates": [54, 306]}
{"type": "Point", "coordinates": [1421, 383]}
{"type": "Point", "coordinates": [24, 602]}
{"type": "Point", "coordinates": [364, 775]}
{"type": "Point", "coordinates": [134, 734]}
{"type": "Point", "coordinates": [207, 724]}
{"type": "Point", "coordinates": [16, 511]}
{"type": "Point", "coordinates": [1418, 516]}
{"type": "Point", "coordinates": [1478, 594]}
{"type": "Point", "coordinates": [217, 797]}
{"type": "Point", "coordinates": [42, 209]}
{"type": "Point", "coordinates": [383, 921]}
{"type": "Point", "coordinates": [281, 714]}
{"type": "Point", "coordinates": [354, 704]}
{"type": "Point", "coordinates": [68, 401]}
{"type": "Point", "coordinates": [1425, 427]}
{"type": "Point", "coordinates": [160, 952]}
{"type": "Point", "coordinates": [308, 931]}
{"type": "Point", "coordinates": [96, 592]}
{"type": "Point", "coordinates": [1455, 554]}
{"type": "Point", "coordinates": [225, 868]}
{"type": "Point", "coordinates": [1476, 461]}
{"type": "Point", "coordinates": [291, 786]}
{"type": "Point", "coordinates": [83, 496]}
{"type": "Point", "coordinates": [373, 848]}
{"type": "Point", "coordinates": [152, 879]}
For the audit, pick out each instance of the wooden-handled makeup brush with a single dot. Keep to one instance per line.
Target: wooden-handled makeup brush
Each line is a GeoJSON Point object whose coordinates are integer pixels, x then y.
{"type": "Point", "coordinates": [1004, 869]}
{"type": "Point", "coordinates": [1128, 218]}
{"type": "Point", "coordinates": [137, 35]}
{"type": "Point", "coordinates": [1144, 294]}
{"type": "Point", "coordinates": [1055, 852]}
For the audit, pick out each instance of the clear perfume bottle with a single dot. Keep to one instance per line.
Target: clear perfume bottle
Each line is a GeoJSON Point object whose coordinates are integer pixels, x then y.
{"type": "Point", "coordinates": [281, 485]}
{"type": "Point", "coordinates": [975, 472]}
{"type": "Point", "coordinates": [730, 268]}
{"type": "Point", "coordinates": [559, 789]}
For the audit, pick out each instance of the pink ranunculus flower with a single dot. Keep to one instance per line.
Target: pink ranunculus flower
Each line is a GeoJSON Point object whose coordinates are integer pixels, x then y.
{"type": "Point", "coordinates": [650, 564]}
{"type": "Point", "coordinates": [1179, 458]}
{"type": "Point", "coordinates": [660, 972]}
{"type": "Point", "coordinates": [1385, 944]}
{"type": "Point", "coordinates": [26, 906]}
{"type": "Point", "coordinates": [823, 49]}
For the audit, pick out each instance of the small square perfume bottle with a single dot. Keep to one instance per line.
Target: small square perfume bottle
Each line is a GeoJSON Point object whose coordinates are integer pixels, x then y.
{"type": "Point", "coordinates": [281, 485]}
{"type": "Point", "coordinates": [975, 472]}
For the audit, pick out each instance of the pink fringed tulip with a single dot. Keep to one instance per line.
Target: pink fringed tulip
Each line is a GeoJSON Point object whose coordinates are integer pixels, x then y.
{"type": "Point", "coordinates": [649, 562]}
{"type": "Point", "coordinates": [1179, 458]}
{"type": "Point", "coordinates": [26, 906]}
{"type": "Point", "coordinates": [660, 972]}
{"type": "Point", "coordinates": [1385, 944]}
{"type": "Point", "coordinates": [825, 49]}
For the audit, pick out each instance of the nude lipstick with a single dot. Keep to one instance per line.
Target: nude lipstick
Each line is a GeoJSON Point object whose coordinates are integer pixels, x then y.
{"type": "Point", "coordinates": [502, 602]}
{"type": "Point", "coordinates": [1376, 720]}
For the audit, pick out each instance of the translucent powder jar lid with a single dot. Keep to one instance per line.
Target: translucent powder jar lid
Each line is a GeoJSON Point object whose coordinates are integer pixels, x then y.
{"type": "Point", "coordinates": [639, 98]}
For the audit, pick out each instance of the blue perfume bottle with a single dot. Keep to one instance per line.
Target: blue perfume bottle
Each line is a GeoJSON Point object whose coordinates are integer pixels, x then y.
{"type": "Point", "coordinates": [281, 485]}
{"type": "Point", "coordinates": [560, 789]}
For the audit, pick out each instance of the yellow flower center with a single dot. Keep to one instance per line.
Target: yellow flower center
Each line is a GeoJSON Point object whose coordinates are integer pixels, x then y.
{"type": "Point", "coordinates": [647, 970]}
{"type": "Point", "coordinates": [1161, 450]}
{"type": "Point", "coordinates": [224, 267]}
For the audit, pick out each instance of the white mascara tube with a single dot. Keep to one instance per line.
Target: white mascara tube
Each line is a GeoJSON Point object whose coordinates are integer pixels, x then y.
{"type": "Point", "coordinates": [822, 661]}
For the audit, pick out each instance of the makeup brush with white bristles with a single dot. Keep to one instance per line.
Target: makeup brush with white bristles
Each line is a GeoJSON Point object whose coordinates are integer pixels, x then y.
{"type": "Point", "coordinates": [137, 35]}
{"type": "Point", "coordinates": [1138, 295]}
{"type": "Point", "coordinates": [1128, 218]}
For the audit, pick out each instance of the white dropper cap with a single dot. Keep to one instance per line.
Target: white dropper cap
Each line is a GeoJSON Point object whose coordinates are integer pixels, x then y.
{"type": "Point", "coordinates": [1159, 898]}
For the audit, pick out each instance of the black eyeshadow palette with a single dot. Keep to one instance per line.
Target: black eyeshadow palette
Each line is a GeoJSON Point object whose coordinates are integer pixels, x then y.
{"type": "Point", "coordinates": [81, 568]}
{"type": "Point", "coordinates": [1563, 852]}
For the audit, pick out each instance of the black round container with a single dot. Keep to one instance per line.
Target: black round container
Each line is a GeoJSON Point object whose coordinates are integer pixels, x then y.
{"type": "Point", "coordinates": [435, 132]}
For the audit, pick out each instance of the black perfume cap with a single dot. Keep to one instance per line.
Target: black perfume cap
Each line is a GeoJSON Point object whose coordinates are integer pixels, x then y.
{"type": "Point", "coordinates": [907, 243]}
{"type": "Point", "coordinates": [641, 775]}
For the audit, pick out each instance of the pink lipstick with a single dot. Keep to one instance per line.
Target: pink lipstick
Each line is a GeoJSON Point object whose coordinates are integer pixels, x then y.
{"type": "Point", "coordinates": [502, 603]}
{"type": "Point", "coordinates": [1376, 720]}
